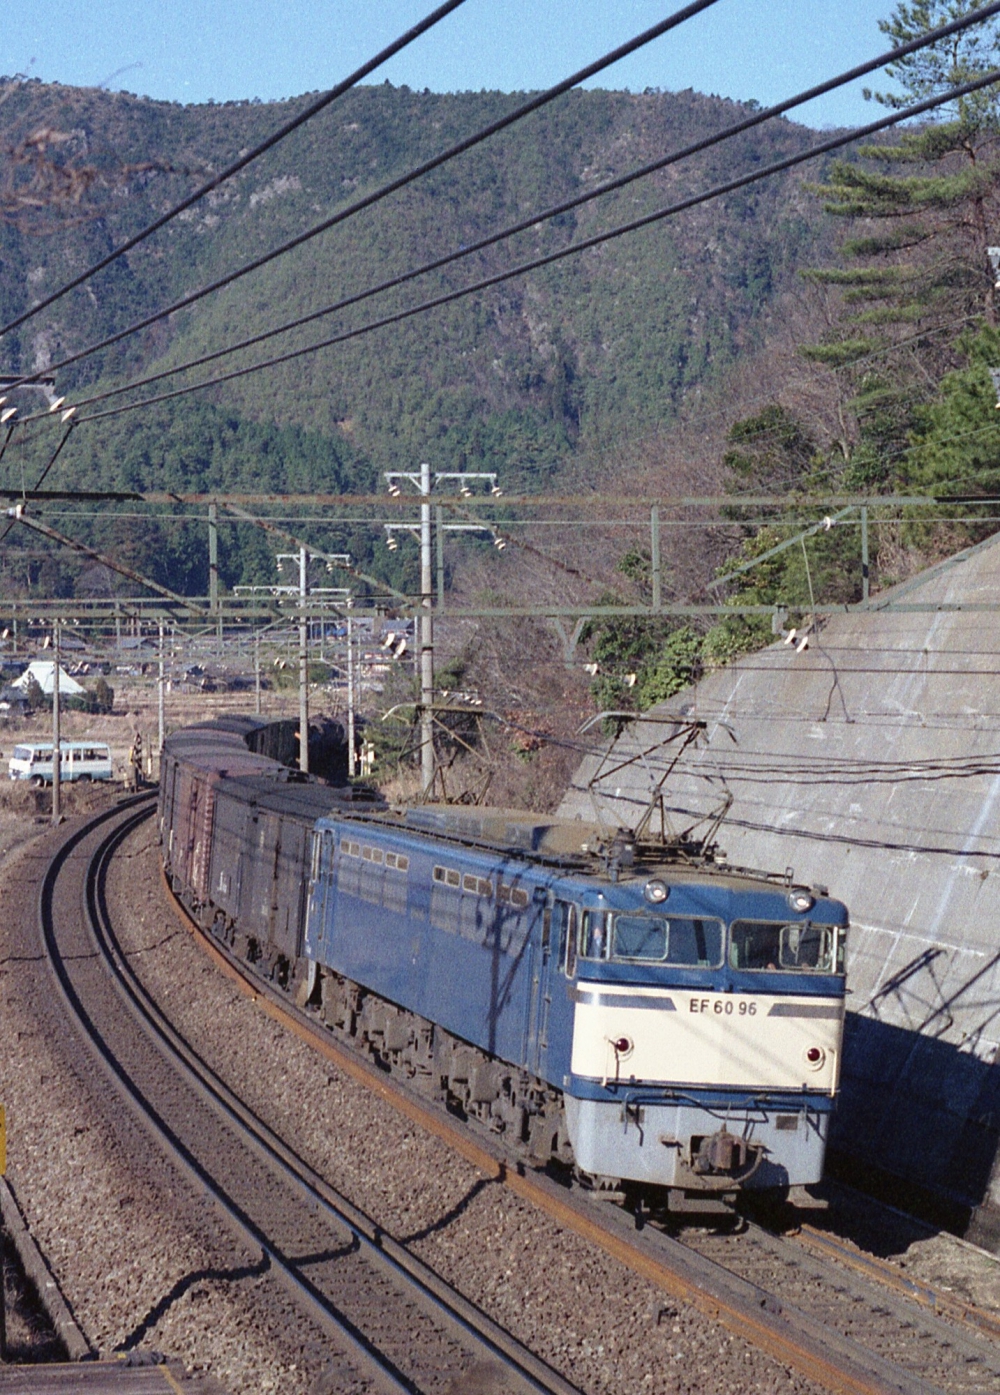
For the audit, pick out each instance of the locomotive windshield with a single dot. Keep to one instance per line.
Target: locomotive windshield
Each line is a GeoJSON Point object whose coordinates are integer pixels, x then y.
{"type": "Point", "coordinates": [682, 940]}
{"type": "Point", "coordinates": [697, 942]}
{"type": "Point", "coordinates": [801, 947]}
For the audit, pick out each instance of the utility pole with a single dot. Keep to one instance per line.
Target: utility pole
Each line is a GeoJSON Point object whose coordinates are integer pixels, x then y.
{"type": "Point", "coordinates": [424, 663]}
{"type": "Point", "coordinates": [256, 672]}
{"type": "Point", "coordinates": [303, 664]}
{"type": "Point", "coordinates": [213, 574]}
{"type": "Point", "coordinates": [56, 748]}
{"type": "Point", "coordinates": [160, 714]}
{"type": "Point", "coordinates": [426, 638]}
{"type": "Point", "coordinates": [351, 762]}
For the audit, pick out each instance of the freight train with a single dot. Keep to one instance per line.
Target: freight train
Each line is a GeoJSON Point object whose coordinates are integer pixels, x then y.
{"type": "Point", "coordinates": [656, 1022]}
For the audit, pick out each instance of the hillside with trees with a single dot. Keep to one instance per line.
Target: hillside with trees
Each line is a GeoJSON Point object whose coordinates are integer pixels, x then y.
{"type": "Point", "coordinates": [881, 385]}
{"type": "Point", "coordinates": [533, 375]}
{"type": "Point", "coordinates": [828, 330]}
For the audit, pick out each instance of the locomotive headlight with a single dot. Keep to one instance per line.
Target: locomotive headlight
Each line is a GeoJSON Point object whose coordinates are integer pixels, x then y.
{"type": "Point", "coordinates": [801, 900]}
{"type": "Point", "coordinates": [814, 1056]}
{"type": "Point", "coordinates": [656, 891]}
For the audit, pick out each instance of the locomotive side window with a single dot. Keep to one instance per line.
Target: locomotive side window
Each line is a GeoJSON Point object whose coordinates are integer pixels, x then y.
{"type": "Point", "coordinates": [801, 947]}
{"type": "Point", "coordinates": [515, 896]}
{"type": "Point", "coordinates": [593, 938]}
{"type": "Point", "coordinates": [564, 915]}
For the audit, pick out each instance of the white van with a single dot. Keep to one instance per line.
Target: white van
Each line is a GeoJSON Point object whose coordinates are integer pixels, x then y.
{"type": "Point", "coordinates": [78, 760]}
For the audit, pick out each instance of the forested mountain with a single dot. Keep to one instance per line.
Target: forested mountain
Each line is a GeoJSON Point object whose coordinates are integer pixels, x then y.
{"type": "Point", "coordinates": [526, 377]}
{"type": "Point", "coordinates": [832, 329]}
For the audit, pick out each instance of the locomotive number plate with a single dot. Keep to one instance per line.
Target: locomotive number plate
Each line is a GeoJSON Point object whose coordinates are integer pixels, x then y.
{"type": "Point", "coordinates": [724, 1007]}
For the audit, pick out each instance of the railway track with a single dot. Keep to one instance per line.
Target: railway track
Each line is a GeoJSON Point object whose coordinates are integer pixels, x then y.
{"type": "Point", "coordinates": [396, 1325]}
{"type": "Point", "coordinates": [848, 1323]}
{"type": "Point", "coordinates": [918, 1340]}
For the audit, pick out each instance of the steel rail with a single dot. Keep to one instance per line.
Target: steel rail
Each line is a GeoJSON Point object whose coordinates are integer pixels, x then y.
{"type": "Point", "coordinates": [490, 1341]}
{"type": "Point", "coordinates": [367, 1364]}
{"type": "Point", "coordinates": [956, 1326]}
{"type": "Point", "coordinates": [872, 1267]}
{"type": "Point", "coordinates": [756, 1316]}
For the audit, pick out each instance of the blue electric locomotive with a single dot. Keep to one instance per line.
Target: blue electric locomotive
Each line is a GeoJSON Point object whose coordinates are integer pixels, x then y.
{"type": "Point", "coordinates": [653, 1020]}
{"type": "Point", "coordinates": [665, 1026]}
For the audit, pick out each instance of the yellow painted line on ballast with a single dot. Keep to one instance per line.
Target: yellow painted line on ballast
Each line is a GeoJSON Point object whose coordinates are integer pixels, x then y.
{"type": "Point", "coordinates": [168, 1376]}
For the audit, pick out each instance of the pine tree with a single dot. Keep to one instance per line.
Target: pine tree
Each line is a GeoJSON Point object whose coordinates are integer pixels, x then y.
{"type": "Point", "coordinates": [956, 446]}
{"type": "Point", "coordinates": [924, 209]}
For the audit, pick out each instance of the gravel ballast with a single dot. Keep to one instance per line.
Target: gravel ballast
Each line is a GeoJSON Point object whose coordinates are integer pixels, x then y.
{"type": "Point", "coordinates": [142, 1264]}
{"type": "Point", "coordinates": [147, 1265]}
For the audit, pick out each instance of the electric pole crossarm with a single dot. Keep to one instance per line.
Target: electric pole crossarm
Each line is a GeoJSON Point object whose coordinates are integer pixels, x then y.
{"type": "Point", "coordinates": [335, 558]}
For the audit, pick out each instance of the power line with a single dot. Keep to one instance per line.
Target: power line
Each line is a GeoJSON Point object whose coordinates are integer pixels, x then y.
{"type": "Point", "coordinates": [310, 111]}
{"type": "Point", "coordinates": [621, 181]}
{"type": "Point", "coordinates": [647, 220]}
{"type": "Point", "coordinates": [534, 104]}
{"type": "Point", "coordinates": [41, 478]}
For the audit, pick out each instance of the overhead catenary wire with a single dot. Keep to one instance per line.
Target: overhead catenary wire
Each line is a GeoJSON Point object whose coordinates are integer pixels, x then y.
{"type": "Point", "coordinates": [41, 478]}
{"type": "Point", "coordinates": [286, 129]}
{"type": "Point", "coordinates": [550, 258]}
{"type": "Point", "coordinates": [621, 181]}
{"type": "Point", "coordinates": [376, 196]}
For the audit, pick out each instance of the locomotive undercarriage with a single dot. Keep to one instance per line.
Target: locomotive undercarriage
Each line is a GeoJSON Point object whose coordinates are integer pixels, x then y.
{"type": "Point", "coordinates": [489, 1094]}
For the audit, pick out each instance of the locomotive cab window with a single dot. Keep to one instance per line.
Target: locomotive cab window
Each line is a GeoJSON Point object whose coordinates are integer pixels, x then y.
{"type": "Point", "coordinates": [640, 937]}
{"type": "Point", "coordinates": [685, 941]}
{"type": "Point", "coordinates": [796, 947]}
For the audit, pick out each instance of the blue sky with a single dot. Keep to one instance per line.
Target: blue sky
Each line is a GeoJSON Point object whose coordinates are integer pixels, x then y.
{"type": "Point", "coordinates": [193, 50]}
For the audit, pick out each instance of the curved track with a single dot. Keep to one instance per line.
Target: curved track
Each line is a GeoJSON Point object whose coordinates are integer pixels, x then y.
{"type": "Point", "coordinates": [397, 1326]}
{"type": "Point", "coordinates": [847, 1322]}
